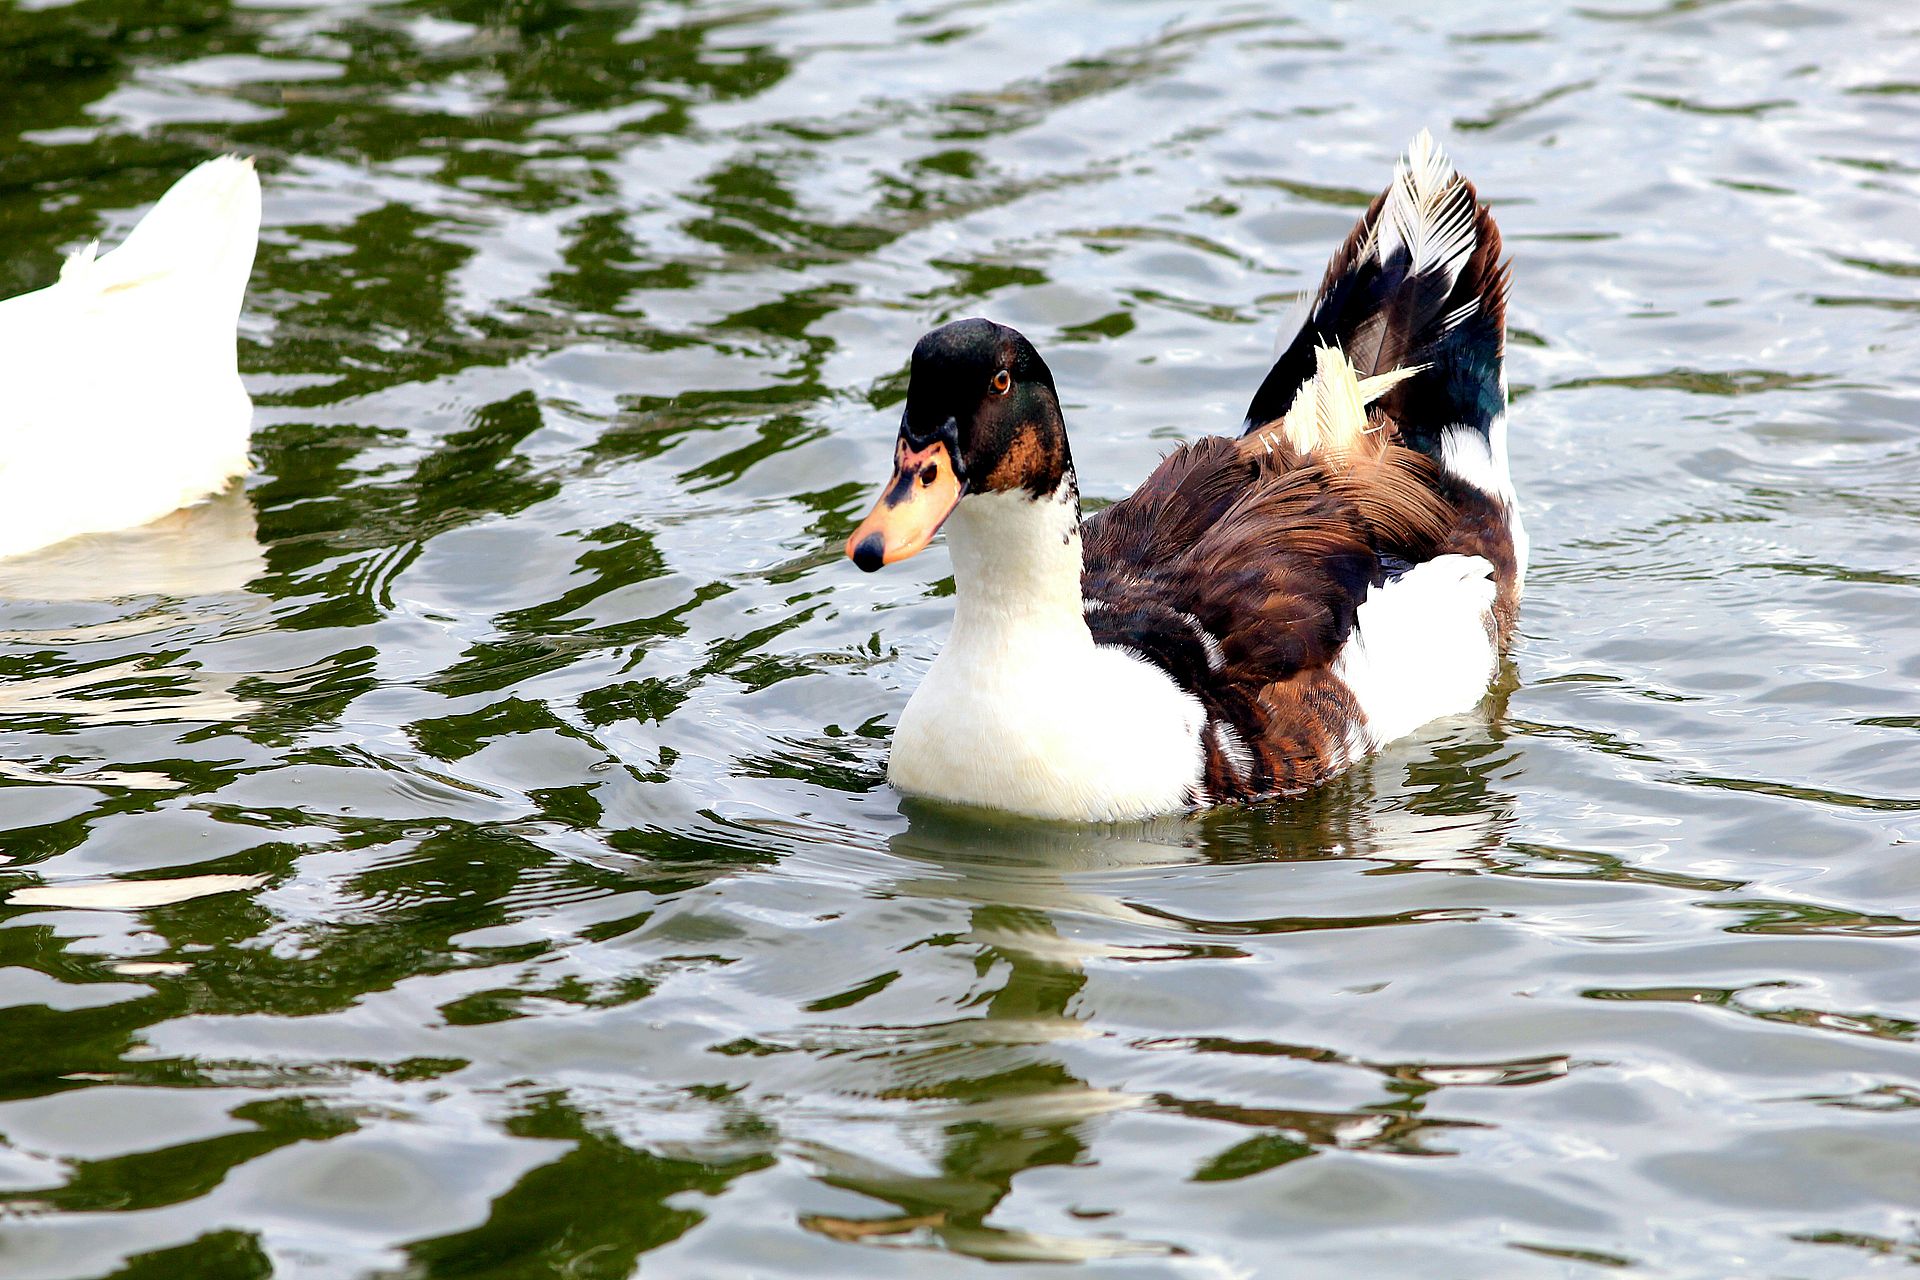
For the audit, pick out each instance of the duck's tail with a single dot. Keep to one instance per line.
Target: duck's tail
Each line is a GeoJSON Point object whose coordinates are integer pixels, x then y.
{"type": "Point", "coordinates": [1417, 290]}
{"type": "Point", "coordinates": [120, 391]}
{"type": "Point", "coordinates": [200, 236]}
{"type": "Point", "coordinates": [1329, 413]}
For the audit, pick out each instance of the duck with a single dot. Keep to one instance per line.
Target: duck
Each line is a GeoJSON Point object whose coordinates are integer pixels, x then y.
{"type": "Point", "coordinates": [1265, 609]}
{"type": "Point", "coordinates": [120, 391]}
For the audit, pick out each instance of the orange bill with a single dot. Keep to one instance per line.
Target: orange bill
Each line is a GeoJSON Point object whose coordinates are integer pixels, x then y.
{"type": "Point", "coordinates": [916, 502]}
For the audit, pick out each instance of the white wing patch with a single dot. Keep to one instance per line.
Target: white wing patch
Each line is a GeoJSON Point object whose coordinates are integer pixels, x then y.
{"type": "Point", "coordinates": [1422, 647]}
{"type": "Point", "coordinates": [1481, 461]}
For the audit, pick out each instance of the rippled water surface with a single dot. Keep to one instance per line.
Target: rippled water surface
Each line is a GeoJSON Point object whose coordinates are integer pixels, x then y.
{"type": "Point", "coordinates": [465, 852]}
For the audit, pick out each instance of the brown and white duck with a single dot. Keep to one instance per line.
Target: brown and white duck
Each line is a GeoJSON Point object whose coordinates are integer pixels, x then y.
{"type": "Point", "coordinates": [1263, 610]}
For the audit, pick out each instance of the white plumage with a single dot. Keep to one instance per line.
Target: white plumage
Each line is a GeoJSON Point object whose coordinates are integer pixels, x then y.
{"type": "Point", "coordinates": [1430, 211]}
{"type": "Point", "coordinates": [1022, 710]}
{"type": "Point", "coordinates": [120, 393]}
{"type": "Point", "coordinates": [1481, 461]}
{"type": "Point", "coordinates": [1329, 411]}
{"type": "Point", "coordinates": [1423, 646]}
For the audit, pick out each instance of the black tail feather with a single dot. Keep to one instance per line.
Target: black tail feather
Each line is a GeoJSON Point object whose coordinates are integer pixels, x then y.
{"type": "Point", "coordinates": [1385, 311]}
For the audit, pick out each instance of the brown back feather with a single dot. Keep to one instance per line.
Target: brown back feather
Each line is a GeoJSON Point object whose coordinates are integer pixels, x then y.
{"type": "Point", "coordinates": [1239, 567]}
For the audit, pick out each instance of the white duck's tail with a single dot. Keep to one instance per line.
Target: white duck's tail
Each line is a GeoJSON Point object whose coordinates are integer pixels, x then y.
{"type": "Point", "coordinates": [120, 393]}
{"type": "Point", "coordinates": [200, 237]}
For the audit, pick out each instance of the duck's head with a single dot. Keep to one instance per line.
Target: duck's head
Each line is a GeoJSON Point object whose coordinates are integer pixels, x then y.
{"type": "Point", "coordinates": [981, 417]}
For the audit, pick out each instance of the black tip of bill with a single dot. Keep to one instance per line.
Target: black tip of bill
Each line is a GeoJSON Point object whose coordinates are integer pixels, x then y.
{"type": "Point", "coordinates": [871, 553]}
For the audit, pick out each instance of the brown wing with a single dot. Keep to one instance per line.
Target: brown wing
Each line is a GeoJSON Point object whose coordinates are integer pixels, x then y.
{"type": "Point", "coordinates": [1238, 568]}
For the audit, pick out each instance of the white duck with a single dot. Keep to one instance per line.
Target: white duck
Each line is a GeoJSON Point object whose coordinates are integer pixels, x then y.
{"type": "Point", "coordinates": [120, 393]}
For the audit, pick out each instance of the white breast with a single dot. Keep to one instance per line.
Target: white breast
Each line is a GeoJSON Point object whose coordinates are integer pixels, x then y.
{"type": "Point", "coordinates": [1076, 731]}
{"type": "Point", "coordinates": [1021, 710]}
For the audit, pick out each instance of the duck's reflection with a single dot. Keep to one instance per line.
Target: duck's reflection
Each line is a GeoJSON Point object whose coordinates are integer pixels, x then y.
{"type": "Point", "coordinates": [71, 595]}
{"type": "Point", "coordinates": [1005, 1100]}
{"type": "Point", "coordinates": [1041, 901]}
{"type": "Point", "coordinates": [209, 549]}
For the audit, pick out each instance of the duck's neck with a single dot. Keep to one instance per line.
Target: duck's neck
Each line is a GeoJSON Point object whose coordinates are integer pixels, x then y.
{"type": "Point", "coordinates": [1022, 710]}
{"type": "Point", "coordinates": [1016, 565]}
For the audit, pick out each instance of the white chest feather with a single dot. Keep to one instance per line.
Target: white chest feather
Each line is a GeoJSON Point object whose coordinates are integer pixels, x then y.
{"type": "Point", "coordinates": [1072, 730]}
{"type": "Point", "coordinates": [1021, 710]}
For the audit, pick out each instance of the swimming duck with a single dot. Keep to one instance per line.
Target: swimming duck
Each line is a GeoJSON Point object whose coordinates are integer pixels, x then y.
{"type": "Point", "coordinates": [1264, 610]}
{"type": "Point", "coordinates": [120, 394]}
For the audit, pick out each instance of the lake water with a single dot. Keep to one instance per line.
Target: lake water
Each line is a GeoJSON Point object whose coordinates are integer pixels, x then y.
{"type": "Point", "coordinates": [466, 853]}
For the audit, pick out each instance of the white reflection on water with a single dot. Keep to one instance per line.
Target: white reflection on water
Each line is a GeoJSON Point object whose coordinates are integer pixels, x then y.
{"type": "Point", "coordinates": [212, 548]}
{"type": "Point", "coordinates": [130, 895]}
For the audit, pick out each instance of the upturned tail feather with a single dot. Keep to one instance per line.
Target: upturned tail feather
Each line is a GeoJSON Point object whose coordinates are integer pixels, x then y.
{"type": "Point", "coordinates": [202, 232]}
{"type": "Point", "coordinates": [1329, 411]}
{"type": "Point", "coordinates": [123, 393]}
{"type": "Point", "coordinates": [1418, 290]}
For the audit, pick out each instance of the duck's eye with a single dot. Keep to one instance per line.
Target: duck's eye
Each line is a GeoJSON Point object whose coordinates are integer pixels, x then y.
{"type": "Point", "coordinates": [1002, 383]}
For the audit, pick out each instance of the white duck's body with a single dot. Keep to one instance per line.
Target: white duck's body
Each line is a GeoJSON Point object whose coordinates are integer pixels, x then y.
{"type": "Point", "coordinates": [120, 392]}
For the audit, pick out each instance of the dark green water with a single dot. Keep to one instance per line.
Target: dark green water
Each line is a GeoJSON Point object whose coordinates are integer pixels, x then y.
{"type": "Point", "coordinates": [525, 690]}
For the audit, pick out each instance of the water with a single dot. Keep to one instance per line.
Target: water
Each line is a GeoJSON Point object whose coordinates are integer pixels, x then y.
{"type": "Point", "coordinates": [477, 862]}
